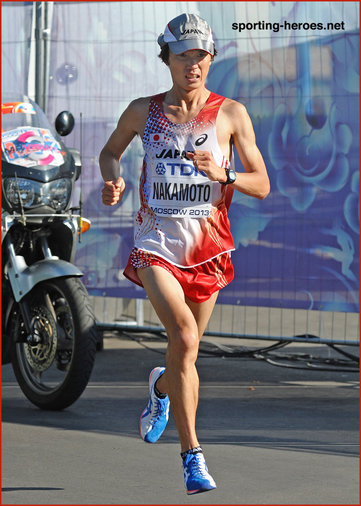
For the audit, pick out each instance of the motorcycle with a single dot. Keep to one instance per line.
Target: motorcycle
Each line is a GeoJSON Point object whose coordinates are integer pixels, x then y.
{"type": "Point", "coordinates": [49, 331]}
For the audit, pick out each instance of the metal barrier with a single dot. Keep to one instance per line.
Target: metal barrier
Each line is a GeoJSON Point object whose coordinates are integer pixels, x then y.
{"type": "Point", "coordinates": [291, 335]}
{"type": "Point", "coordinates": [259, 323]}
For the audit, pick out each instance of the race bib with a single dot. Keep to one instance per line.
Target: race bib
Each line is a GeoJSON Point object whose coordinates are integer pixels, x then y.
{"type": "Point", "coordinates": [179, 190]}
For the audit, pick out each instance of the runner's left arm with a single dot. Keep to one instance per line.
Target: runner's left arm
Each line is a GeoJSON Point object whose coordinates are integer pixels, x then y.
{"type": "Point", "coordinates": [254, 181]}
{"type": "Point", "coordinates": [236, 126]}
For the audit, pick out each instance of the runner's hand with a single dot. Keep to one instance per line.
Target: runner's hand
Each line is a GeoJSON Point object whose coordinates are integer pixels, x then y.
{"type": "Point", "coordinates": [112, 192]}
{"type": "Point", "coordinates": [204, 161]}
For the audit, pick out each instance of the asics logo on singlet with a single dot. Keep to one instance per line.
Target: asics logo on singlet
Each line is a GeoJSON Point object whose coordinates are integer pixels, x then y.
{"type": "Point", "coordinates": [201, 140]}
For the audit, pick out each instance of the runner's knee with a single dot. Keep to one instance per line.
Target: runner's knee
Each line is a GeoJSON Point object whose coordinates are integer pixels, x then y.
{"type": "Point", "coordinates": [184, 346]}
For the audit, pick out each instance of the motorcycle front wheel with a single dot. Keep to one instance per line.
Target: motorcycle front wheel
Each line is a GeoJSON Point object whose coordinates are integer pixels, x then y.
{"type": "Point", "coordinates": [54, 367]}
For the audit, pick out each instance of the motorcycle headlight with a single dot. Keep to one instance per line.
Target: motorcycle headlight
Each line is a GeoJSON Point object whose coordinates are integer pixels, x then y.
{"type": "Point", "coordinates": [55, 194]}
{"type": "Point", "coordinates": [23, 187]}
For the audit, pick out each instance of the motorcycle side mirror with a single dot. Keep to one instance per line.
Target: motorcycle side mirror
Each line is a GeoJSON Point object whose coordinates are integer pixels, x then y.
{"type": "Point", "coordinates": [64, 123]}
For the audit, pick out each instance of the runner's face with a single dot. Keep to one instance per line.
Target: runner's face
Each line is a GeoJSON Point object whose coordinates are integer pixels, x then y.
{"type": "Point", "coordinates": [190, 69]}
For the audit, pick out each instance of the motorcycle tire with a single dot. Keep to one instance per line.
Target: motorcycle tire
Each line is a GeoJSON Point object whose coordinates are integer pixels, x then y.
{"type": "Point", "coordinates": [53, 372]}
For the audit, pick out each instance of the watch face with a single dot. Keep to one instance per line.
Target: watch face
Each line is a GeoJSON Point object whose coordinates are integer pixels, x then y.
{"type": "Point", "coordinates": [232, 176]}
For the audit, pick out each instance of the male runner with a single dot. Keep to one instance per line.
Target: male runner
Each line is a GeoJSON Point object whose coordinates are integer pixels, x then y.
{"type": "Point", "coordinates": [182, 240]}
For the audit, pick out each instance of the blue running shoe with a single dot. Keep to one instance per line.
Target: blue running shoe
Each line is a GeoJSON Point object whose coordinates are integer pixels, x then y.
{"type": "Point", "coordinates": [154, 418]}
{"type": "Point", "coordinates": [196, 476]}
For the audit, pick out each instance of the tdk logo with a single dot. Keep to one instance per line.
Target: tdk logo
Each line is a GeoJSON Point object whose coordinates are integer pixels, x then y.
{"type": "Point", "coordinates": [160, 169]}
{"type": "Point", "coordinates": [177, 169]}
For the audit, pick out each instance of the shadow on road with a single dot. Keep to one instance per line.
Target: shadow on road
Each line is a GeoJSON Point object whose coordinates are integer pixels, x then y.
{"type": "Point", "coordinates": [242, 402]}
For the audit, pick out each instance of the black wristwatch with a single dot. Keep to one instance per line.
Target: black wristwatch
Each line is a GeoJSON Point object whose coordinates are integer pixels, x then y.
{"type": "Point", "coordinates": [231, 176]}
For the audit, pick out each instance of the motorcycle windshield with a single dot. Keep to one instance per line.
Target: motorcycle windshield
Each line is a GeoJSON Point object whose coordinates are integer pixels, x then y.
{"type": "Point", "coordinates": [22, 111]}
{"type": "Point", "coordinates": [27, 137]}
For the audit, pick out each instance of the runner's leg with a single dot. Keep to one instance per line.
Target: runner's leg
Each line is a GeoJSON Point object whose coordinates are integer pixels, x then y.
{"type": "Point", "coordinates": [180, 380]}
{"type": "Point", "coordinates": [202, 312]}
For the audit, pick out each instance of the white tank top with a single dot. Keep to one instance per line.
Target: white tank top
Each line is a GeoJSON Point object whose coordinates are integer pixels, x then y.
{"type": "Point", "coordinates": [183, 215]}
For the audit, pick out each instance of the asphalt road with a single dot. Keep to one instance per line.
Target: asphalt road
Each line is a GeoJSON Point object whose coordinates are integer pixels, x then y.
{"type": "Point", "coordinates": [270, 436]}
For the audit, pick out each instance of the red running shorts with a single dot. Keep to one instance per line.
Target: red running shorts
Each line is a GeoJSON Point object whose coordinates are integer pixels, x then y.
{"type": "Point", "coordinates": [198, 283]}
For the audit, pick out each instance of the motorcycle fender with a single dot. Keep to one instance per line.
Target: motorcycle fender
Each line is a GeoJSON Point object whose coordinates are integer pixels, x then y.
{"type": "Point", "coordinates": [26, 277]}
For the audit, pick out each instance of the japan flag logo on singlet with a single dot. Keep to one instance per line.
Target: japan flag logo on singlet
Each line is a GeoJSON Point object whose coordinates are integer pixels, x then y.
{"type": "Point", "coordinates": [157, 137]}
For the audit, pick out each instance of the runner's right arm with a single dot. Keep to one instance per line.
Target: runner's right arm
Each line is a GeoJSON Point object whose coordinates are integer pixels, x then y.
{"type": "Point", "coordinates": [131, 123]}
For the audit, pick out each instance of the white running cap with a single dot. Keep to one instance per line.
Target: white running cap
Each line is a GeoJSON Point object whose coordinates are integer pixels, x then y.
{"type": "Point", "coordinates": [186, 32]}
